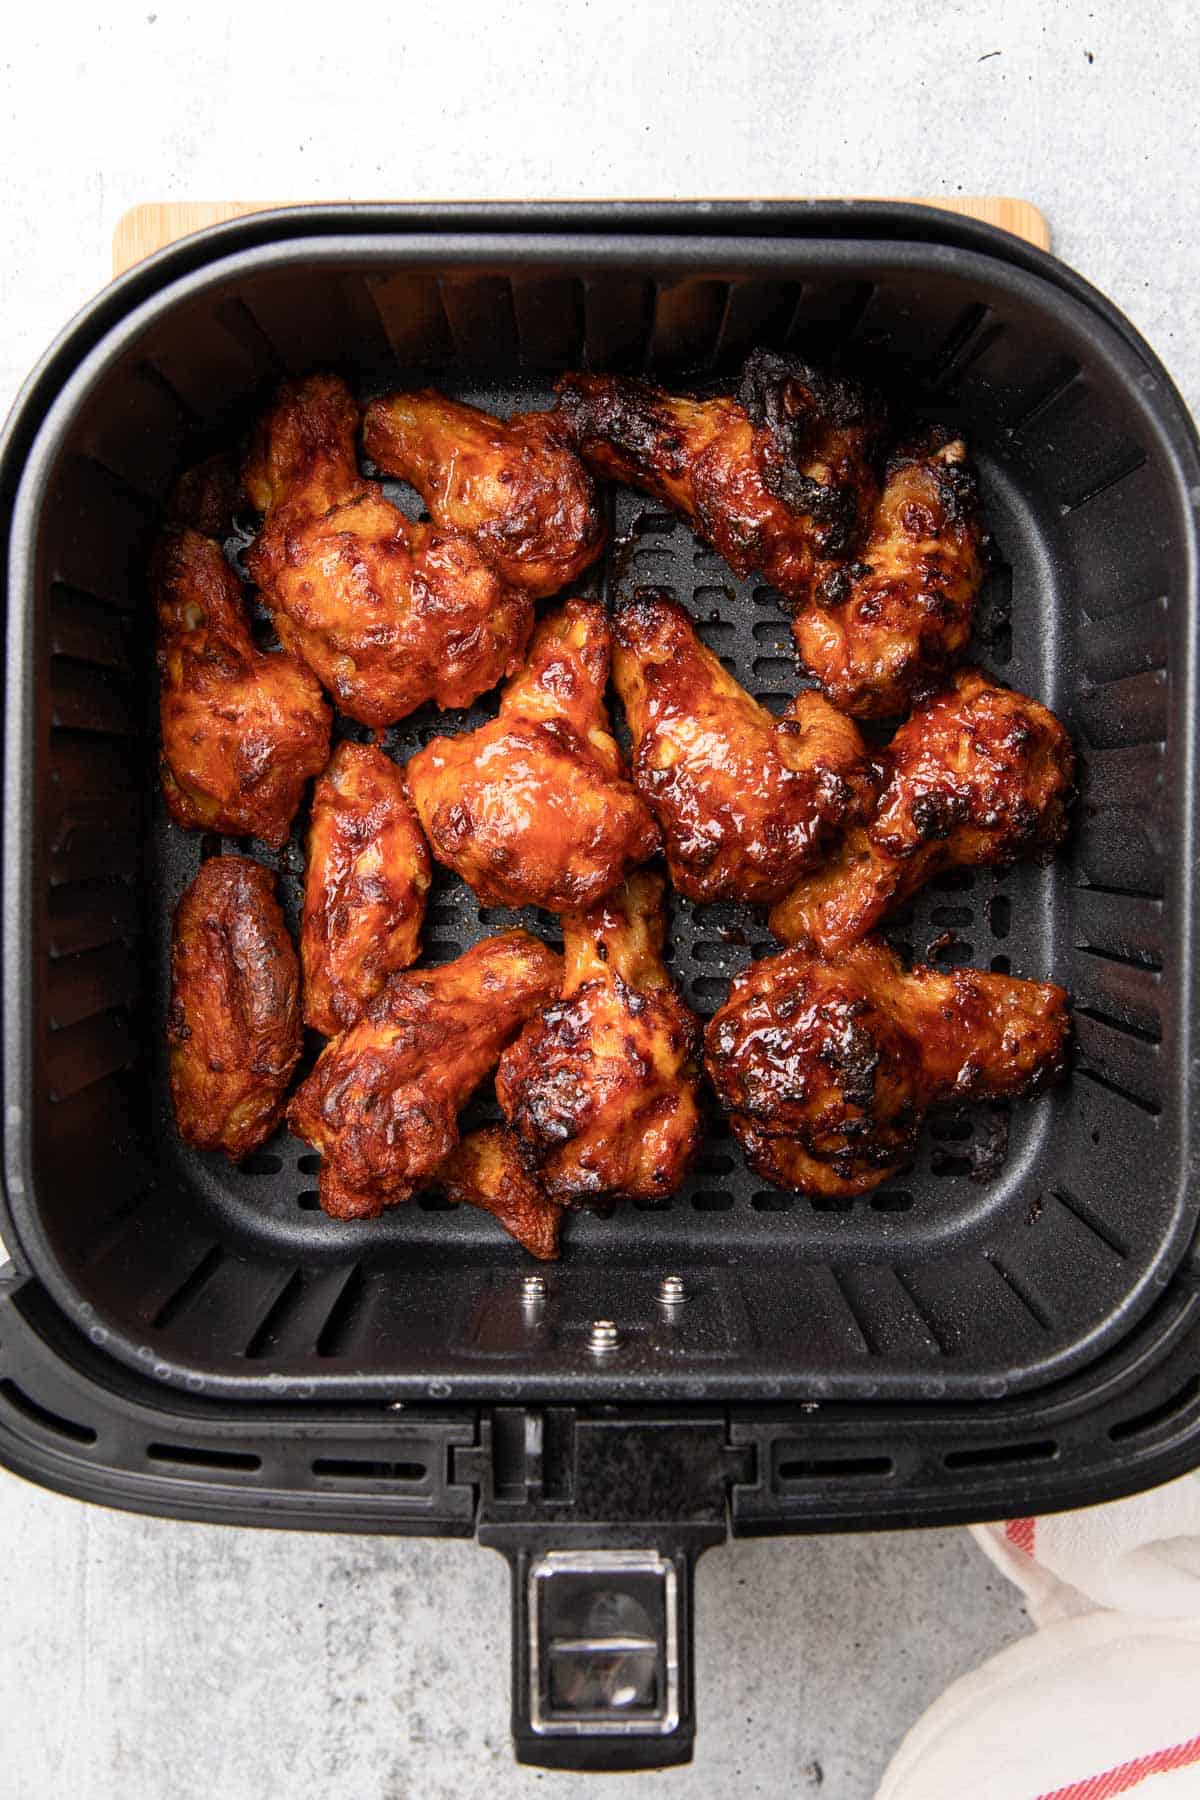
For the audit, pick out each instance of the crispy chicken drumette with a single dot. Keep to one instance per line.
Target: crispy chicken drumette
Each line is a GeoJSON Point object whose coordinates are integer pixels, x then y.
{"type": "Point", "coordinates": [382, 1103]}
{"type": "Point", "coordinates": [827, 1067]}
{"type": "Point", "coordinates": [364, 888]}
{"type": "Point", "coordinates": [977, 776]}
{"type": "Point", "coordinates": [234, 1023]}
{"type": "Point", "coordinates": [388, 614]}
{"type": "Point", "coordinates": [534, 808]}
{"type": "Point", "coordinates": [242, 730]}
{"type": "Point", "coordinates": [881, 631]}
{"type": "Point", "coordinates": [778, 480]}
{"type": "Point", "coordinates": [601, 1084]}
{"type": "Point", "coordinates": [513, 485]}
{"type": "Point", "coordinates": [746, 801]}
{"type": "Point", "coordinates": [487, 1170]}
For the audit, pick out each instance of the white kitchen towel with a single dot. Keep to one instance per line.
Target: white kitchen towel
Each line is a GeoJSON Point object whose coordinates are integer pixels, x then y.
{"type": "Point", "coordinates": [1104, 1698]}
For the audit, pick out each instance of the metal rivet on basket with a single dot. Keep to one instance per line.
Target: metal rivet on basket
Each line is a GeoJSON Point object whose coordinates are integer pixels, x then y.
{"type": "Point", "coordinates": [533, 1289]}
{"type": "Point", "coordinates": [603, 1337]}
{"type": "Point", "coordinates": [671, 1290]}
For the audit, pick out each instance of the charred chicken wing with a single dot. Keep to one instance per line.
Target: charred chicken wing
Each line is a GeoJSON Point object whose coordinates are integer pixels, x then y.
{"type": "Point", "coordinates": [382, 1103]}
{"type": "Point", "coordinates": [365, 886]}
{"type": "Point", "coordinates": [826, 1068]}
{"type": "Point", "coordinates": [745, 800]}
{"type": "Point", "coordinates": [534, 807]}
{"type": "Point", "coordinates": [881, 631]}
{"type": "Point", "coordinates": [778, 480]}
{"type": "Point", "coordinates": [487, 1170]}
{"type": "Point", "coordinates": [234, 1023]}
{"type": "Point", "coordinates": [977, 776]}
{"type": "Point", "coordinates": [242, 730]}
{"type": "Point", "coordinates": [513, 485]}
{"type": "Point", "coordinates": [388, 614]}
{"type": "Point", "coordinates": [601, 1084]}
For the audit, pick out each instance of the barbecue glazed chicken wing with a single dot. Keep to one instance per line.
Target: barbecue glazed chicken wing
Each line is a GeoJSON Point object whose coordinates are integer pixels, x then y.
{"type": "Point", "coordinates": [513, 485]}
{"type": "Point", "coordinates": [487, 1170]}
{"type": "Point", "coordinates": [601, 1084]}
{"type": "Point", "coordinates": [388, 614]}
{"type": "Point", "coordinates": [778, 480]}
{"type": "Point", "coordinates": [746, 801]}
{"type": "Point", "coordinates": [826, 1068]}
{"type": "Point", "coordinates": [880, 631]}
{"type": "Point", "coordinates": [242, 731]}
{"type": "Point", "coordinates": [234, 1022]}
{"type": "Point", "coordinates": [364, 887]}
{"type": "Point", "coordinates": [382, 1103]}
{"type": "Point", "coordinates": [534, 808]}
{"type": "Point", "coordinates": [977, 776]}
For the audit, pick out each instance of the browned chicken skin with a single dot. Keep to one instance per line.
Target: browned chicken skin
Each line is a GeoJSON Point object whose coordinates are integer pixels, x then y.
{"type": "Point", "coordinates": [242, 730]}
{"type": "Point", "coordinates": [234, 1022]}
{"type": "Point", "coordinates": [364, 887]}
{"type": "Point", "coordinates": [535, 807]}
{"type": "Point", "coordinates": [382, 1103]}
{"type": "Point", "coordinates": [487, 1170]}
{"type": "Point", "coordinates": [388, 614]}
{"type": "Point", "coordinates": [601, 1084]}
{"type": "Point", "coordinates": [826, 1068]}
{"type": "Point", "coordinates": [977, 776]}
{"type": "Point", "coordinates": [778, 480]}
{"type": "Point", "coordinates": [881, 631]}
{"type": "Point", "coordinates": [513, 484]}
{"type": "Point", "coordinates": [746, 801]}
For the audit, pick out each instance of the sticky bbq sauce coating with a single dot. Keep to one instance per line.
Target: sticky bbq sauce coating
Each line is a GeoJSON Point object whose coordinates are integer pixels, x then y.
{"type": "Point", "coordinates": [826, 1067]}
{"type": "Point", "coordinates": [233, 1028]}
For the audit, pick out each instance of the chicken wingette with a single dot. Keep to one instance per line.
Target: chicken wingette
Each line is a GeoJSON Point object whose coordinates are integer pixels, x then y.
{"type": "Point", "coordinates": [386, 613]}
{"type": "Point", "coordinates": [978, 776]}
{"type": "Point", "coordinates": [242, 729]}
{"type": "Point", "coordinates": [512, 485]}
{"type": "Point", "coordinates": [746, 801]}
{"type": "Point", "coordinates": [364, 887]}
{"type": "Point", "coordinates": [233, 1028]}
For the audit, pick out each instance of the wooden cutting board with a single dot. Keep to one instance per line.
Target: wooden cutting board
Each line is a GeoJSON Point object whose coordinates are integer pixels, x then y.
{"type": "Point", "coordinates": [150, 227]}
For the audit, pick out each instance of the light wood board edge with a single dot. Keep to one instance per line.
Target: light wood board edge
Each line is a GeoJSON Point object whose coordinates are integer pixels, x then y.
{"type": "Point", "coordinates": [155, 224]}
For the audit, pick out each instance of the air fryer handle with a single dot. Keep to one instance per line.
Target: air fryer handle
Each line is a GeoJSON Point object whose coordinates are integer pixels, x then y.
{"type": "Point", "coordinates": [602, 1657]}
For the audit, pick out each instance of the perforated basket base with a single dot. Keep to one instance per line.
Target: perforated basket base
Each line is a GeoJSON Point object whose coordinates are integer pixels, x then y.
{"type": "Point", "coordinates": [1019, 1244]}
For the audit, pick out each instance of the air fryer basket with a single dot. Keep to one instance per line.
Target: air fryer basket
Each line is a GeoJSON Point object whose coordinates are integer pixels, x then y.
{"type": "Point", "coordinates": [1036, 1266]}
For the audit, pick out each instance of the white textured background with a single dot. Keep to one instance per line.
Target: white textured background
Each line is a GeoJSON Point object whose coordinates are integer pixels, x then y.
{"type": "Point", "coordinates": [142, 1660]}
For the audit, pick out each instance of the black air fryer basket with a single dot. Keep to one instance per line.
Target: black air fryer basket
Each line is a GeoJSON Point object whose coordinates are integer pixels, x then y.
{"type": "Point", "coordinates": [1012, 1326]}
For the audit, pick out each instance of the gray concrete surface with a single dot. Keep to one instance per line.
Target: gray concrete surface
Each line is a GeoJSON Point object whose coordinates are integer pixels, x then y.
{"type": "Point", "coordinates": [142, 1659]}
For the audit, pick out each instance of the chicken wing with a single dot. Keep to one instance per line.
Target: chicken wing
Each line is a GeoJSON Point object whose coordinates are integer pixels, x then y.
{"type": "Point", "coordinates": [242, 730]}
{"type": "Point", "coordinates": [513, 485]}
{"type": "Point", "coordinates": [534, 807]}
{"type": "Point", "coordinates": [207, 496]}
{"type": "Point", "coordinates": [388, 614]}
{"type": "Point", "coordinates": [487, 1170]}
{"type": "Point", "coordinates": [978, 776]}
{"type": "Point", "coordinates": [881, 631]}
{"type": "Point", "coordinates": [234, 1023]}
{"type": "Point", "coordinates": [382, 1103]}
{"type": "Point", "coordinates": [745, 800]}
{"type": "Point", "coordinates": [779, 480]}
{"type": "Point", "coordinates": [364, 889]}
{"type": "Point", "coordinates": [826, 1068]}
{"type": "Point", "coordinates": [601, 1085]}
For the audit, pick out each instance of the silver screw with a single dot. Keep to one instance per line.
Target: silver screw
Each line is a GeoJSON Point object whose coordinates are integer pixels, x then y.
{"type": "Point", "coordinates": [603, 1337]}
{"type": "Point", "coordinates": [533, 1289]}
{"type": "Point", "coordinates": [671, 1290]}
